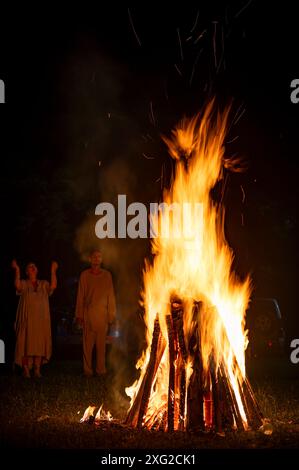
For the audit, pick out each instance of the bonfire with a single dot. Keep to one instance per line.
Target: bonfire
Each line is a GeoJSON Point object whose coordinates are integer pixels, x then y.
{"type": "Point", "coordinates": [192, 372]}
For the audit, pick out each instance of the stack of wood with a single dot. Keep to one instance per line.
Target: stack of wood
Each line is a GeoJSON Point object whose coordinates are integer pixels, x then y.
{"type": "Point", "coordinates": [205, 401]}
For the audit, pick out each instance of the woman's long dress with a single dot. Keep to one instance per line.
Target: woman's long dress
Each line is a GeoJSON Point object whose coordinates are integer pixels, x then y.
{"type": "Point", "coordinates": [33, 322]}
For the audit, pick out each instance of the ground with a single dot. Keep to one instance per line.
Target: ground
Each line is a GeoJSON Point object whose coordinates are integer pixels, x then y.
{"type": "Point", "coordinates": [45, 413]}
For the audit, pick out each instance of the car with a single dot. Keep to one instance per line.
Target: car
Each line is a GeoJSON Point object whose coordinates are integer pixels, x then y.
{"type": "Point", "coordinates": [265, 324]}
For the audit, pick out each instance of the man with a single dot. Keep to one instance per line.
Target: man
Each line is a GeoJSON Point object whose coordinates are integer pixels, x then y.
{"type": "Point", "coordinates": [95, 310]}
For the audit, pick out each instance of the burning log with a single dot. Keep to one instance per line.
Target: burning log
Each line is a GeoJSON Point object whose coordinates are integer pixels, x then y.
{"type": "Point", "coordinates": [209, 401]}
{"type": "Point", "coordinates": [225, 402]}
{"type": "Point", "coordinates": [195, 393]}
{"type": "Point", "coordinates": [136, 414]}
{"type": "Point", "coordinates": [216, 396]}
{"type": "Point", "coordinates": [171, 384]}
{"type": "Point", "coordinates": [182, 404]}
{"type": "Point", "coordinates": [177, 326]}
{"type": "Point", "coordinates": [195, 417]}
{"type": "Point", "coordinates": [230, 395]}
{"type": "Point", "coordinates": [149, 374]}
{"type": "Point", "coordinates": [254, 413]}
{"type": "Point", "coordinates": [180, 362]}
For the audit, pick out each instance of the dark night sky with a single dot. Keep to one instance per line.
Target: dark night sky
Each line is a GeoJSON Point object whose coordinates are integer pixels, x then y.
{"type": "Point", "coordinates": [65, 73]}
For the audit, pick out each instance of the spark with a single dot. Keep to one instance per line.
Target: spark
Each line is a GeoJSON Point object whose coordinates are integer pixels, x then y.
{"type": "Point", "coordinates": [131, 21]}
{"type": "Point", "coordinates": [237, 116]}
{"type": "Point", "coordinates": [243, 194]}
{"type": "Point", "coordinates": [200, 36]}
{"type": "Point", "coordinates": [219, 65]}
{"type": "Point", "coordinates": [180, 43]}
{"type": "Point", "coordinates": [242, 219]}
{"type": "Point", "coordinates": [224, 188]}
{"type": "Point", "coordinates": [240, 115]}
{"type": "Point", "coordinates": [242, 9]}
{"type": "Point", "coordinates": [152, 114]}
{"type": "Point", "coordinates": [178, 70]}
{"type": "Point", "coordinates": [147, 157]}
{"type": "Point", "coordinates": [195, 24]}
{"type": "Point", "coordinates": [232, 140]}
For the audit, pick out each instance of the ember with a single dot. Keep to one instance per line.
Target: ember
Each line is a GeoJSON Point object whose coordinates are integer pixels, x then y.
{"type": "Point", "coordinates": [102, 415]}
{"type": "Point", "coordinates": [90, 418]}
{"type": "Point", "coordinates": [193, 370]}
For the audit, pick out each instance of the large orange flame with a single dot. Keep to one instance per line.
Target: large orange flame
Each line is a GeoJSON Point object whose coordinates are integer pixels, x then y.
{"type": "Point", "coordinates": [193, 262]}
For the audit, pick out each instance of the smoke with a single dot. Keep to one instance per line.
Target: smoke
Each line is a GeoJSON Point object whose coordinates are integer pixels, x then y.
{"type": "Point", "coordinates": [104, 159]}
{"type": "Point", "coordinates": [124, 258]}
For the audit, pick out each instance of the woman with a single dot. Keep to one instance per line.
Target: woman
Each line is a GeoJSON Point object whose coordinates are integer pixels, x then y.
{"type": "Point", "coordinates": [33, 323]}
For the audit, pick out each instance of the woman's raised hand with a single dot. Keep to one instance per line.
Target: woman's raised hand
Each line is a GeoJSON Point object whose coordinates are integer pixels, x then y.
{"type": "Point", "coordinates": [54, 266]}
{"type": "Point", "coordinates": [14, 265]}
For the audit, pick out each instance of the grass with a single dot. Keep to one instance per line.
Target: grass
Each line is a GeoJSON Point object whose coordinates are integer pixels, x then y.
{"type": "Point", "coordinates": [45, 413]}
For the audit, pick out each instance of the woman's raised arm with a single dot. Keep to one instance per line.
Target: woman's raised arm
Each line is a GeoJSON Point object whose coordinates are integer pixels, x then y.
{"type": "Point", "coordinates": [54, 267]}
{"type": "Point", "coordinates": [15, 266]}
